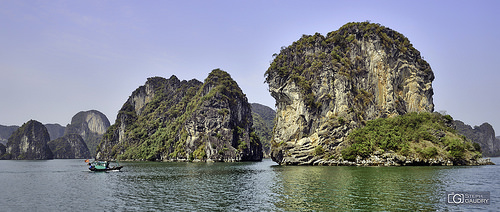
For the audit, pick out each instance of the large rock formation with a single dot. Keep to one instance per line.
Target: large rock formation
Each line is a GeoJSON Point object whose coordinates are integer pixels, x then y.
{"type": "Point", "coordinates": [484, 135]}
{"type": "Point", "coordinates": [69, 146]}
{"type": "Point", "coordinates": [263, 123]}
{"type": "Point", "coordinates": [169, 119]}
{"type": "Point", "coordinates": [91, 126]}
{"type": "Point", "coordinates": [29, 142]}
{"type": "Point", "coordinates": [325, 86]}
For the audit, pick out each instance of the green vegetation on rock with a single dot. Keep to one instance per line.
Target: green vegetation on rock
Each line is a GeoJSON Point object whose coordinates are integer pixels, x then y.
{"type": "Point", "coordinates": [71, 146]}
{"type": "Point", "coordinates": [305, 59]}
{"type": "Point", "coordinates": [327, 86]}
{"type": "Point", "coordinates": [29, 142]}
{"type": "Point", "coordinates": [263, 123]}
{"type": "Point", "coordinates": [169, 119]}
{"type": "Point", "coordinates": [419, 135]}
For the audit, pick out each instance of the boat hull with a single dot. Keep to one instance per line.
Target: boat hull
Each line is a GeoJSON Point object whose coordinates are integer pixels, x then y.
{"type": "Point", "coordinates": [117, 168]}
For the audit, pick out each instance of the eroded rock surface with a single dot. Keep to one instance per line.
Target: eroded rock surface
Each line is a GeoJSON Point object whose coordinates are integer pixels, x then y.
{"type": "Point", "coordinates": [325, 86]}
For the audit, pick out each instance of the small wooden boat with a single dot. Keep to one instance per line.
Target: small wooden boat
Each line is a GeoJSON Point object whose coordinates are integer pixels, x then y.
{"type": "Point", "coordinates": [102, 166]}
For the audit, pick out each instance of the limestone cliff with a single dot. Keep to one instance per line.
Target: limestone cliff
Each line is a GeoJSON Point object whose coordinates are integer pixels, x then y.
{"type": "Point", "coordinates": [29, 142]}
{"type": "Point", "coordinates": [326, 86]}
{"type": "Point", "coordinates": [69, 146]}
{"type": "Point", "coordinates": [91, 126]}
{"type": "Point", "coordinates": [169, 120]}
{"type": "Point", "coordinates": [484, 135]}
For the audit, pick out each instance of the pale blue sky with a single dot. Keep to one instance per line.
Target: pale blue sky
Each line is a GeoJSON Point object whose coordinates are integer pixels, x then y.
{"type": "Point", "coordinates": [61, 57]}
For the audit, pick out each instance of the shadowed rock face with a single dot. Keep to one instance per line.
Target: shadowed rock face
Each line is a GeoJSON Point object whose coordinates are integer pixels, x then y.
{"type": "Point", "coordinates": [91, 126]}
{"type": "Point", "coordinates": [3, 150]}
{"type": "Point", "coordinates": [263, 123]}
{"type": "Point", "coordinates": [55, 130]}
{"type": "Point", "coordinates": [325, 86]}
{"type": "Point", "coordinates": [29, 142]}
{"type": "Point", "coordinates": [169, 119]}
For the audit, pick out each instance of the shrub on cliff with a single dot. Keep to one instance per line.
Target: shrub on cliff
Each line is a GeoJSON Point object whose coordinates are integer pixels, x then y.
{"type": "Point", "coordinates": [424, 135]}
{"type": "Point", "coordinates": [263, 123]}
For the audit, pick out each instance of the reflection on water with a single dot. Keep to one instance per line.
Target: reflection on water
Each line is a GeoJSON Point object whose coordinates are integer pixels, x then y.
{"type": "Point", "coordinates": [197, 186]}
{"type": "Point", "coordinates": [62, 185]}
{"type": "Point", "coordinates": [365, 188]}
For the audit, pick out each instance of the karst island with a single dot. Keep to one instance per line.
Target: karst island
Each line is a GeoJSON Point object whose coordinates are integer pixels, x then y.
{"type": "Point", "coordinates": [361, 95]}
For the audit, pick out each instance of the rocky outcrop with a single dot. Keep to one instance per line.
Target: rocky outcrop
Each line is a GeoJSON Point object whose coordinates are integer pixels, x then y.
{"type": "Point", "coordinates": [173, 120]}
{"type": "Point", "coordinates": [91, 126]}
{"type": "Point", "coordinates": [391, 159]}
{"type": "Point", "coordinates": [55, 130]}
{"type": "Point", "coordinates": [326, 86]}
{"type": "Point", "coordinates": [69, 146]}
{"type": "Point", "coordinates": [263, 123]}
{"type": "Point", "coordinates": [484, 135]}
{"type": "Point", "coordinates": [29, 142]}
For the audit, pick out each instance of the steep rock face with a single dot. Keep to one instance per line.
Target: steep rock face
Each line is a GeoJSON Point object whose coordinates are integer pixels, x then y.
{"type": "Point", "coordinates": [148, 110]}
{"type": "Point", "coordinates": [6, 132]}
{"type": "Point", "coordinates": [91, 126]}
{"type": "Point", "coordinates": [169, 119]}
{"type": "Point", "coordinates": [55, 130]}
{"type": "Point", "coordinates": [263, 123]}
{"type": "Point", "coordinates": [484, 135]}
{"type": "Point", "coordinates": [29, 142]}
{"type": "Point", "coordinates": [69, 146]}
{"type": "Point", "coordinates": [497, 153]}
{"type": "Point", "coordinates": [326, 86]}
{"type": "Point", "coordinates": [3, 150]}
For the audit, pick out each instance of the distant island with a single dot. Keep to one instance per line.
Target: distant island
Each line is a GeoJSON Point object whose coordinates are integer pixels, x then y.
{"type": "Point", "coordinates": [36, 141]}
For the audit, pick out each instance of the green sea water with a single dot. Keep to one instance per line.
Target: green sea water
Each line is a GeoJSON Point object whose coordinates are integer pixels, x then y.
{"type": "Point", "coordinates": [67, 185]}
